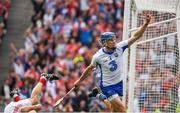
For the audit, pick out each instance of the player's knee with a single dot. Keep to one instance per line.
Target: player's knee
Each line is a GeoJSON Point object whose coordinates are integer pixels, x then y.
{"type": "Point", "coordinates": [117, 106]}
{"type": "Point", "coordinates": [120, 109]}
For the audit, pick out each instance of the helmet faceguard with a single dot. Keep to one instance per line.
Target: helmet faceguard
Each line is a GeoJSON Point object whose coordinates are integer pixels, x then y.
{"type": "Point", "coordinates": [106, 36]}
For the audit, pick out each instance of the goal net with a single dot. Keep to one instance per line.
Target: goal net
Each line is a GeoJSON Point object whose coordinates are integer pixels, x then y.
{"type": "Point", "coordinates": [154, 62]}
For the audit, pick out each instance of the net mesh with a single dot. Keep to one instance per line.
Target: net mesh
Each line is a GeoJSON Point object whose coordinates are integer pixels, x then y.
{"type": "Point", "coordinates": [157, 30]}
{"type": "Point", "coordinates": [156, 72]}
{"type": "Point", "coordinates": [157, 65]}
{"type": "Point", "coordinates": [157, 5]}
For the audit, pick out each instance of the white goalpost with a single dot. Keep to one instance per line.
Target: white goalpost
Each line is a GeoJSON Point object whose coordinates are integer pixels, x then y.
{"type": "Point", "coordinates": [152, 70]}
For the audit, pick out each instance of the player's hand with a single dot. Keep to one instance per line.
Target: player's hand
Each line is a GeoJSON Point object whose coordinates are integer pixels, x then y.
{"type": "Point", "coordinates": [147, 19]}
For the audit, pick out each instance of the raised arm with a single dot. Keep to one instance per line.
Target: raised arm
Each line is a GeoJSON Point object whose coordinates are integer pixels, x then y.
{"type": "Point", "coordinates": [140, 31]}
{"type": "Point", "coordinates": [84, 75]}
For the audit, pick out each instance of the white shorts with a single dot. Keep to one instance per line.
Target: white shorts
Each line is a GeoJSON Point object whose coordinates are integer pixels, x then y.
{"type": "Point", "coordinates": [113, 97]}
{"type": "Point", "coordinates": [14, 107]}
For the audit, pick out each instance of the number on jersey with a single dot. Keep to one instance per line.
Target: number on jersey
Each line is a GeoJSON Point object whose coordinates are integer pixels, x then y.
{"type": "Point", "coordinates": [113, 65]}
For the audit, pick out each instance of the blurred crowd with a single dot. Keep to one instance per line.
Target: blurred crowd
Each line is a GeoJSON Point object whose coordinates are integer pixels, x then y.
{"type": "Point", "coordinates": [62, 39]}
{"type": "Point", "coordinates": [4, 12]}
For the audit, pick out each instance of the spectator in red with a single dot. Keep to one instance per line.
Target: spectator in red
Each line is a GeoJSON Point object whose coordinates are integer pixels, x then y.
{"type": "Point", "coordinates": [32, 74]}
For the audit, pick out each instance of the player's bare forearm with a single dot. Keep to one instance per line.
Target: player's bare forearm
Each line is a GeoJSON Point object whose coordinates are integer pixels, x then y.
{"type": "Point", "coordinates": [30, 108]}
{"type": "Point", "coordinates": [84, 75]}
{"type": "Point", "coordinates": [140, 31]}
